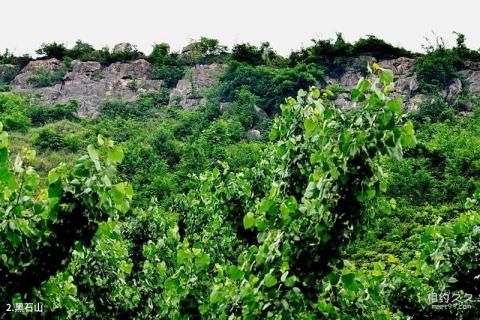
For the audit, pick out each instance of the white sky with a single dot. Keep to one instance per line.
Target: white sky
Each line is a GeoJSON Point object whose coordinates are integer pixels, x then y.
{"type": "Point", "coordinates": [287, 25]}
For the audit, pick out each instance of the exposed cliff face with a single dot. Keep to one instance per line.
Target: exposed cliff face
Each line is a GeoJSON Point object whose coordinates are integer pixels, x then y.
{"type": "Point", "coordinates": [189, 90]}
{"type": "Point", "coordinates": [91, 84]}
{"type": "Point", "coordinates": [406, 85]}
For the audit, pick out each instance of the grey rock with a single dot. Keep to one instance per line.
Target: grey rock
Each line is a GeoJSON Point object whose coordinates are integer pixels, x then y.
{"type": "Point", "coordinates": [401, 66]}
{"type": "Point", "coordinates": [224, 107]}
{"type": "Point", "coordinates": [189, 90]}
{"type": "Point", "coordinates": [254, 134]}
{"type": "Point", "coordinates": [123, 47]}
{"type": "Point", "coordinates": [350, 78]}
{"type": "Point", "coordinates": [454, 88]}
{"type": "Point", "coordinates": [406, 85]}
{"type": "Point", "coordinates": [21, 80]}
{"type": "Point", "coordinates": [343, 101]}
{"type": "Point", "coordinates": [473, 80]}
{"type": "Point", "coordinates": [90, 84]}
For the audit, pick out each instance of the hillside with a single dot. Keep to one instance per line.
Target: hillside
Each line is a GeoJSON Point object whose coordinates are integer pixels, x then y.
{"type": "Point", "coordinates": [91, 84]}
{"type": "Point", "coordinates": [340, 182]}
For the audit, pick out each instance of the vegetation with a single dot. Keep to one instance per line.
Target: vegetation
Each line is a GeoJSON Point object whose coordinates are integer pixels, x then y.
{"type": "Point", "coordinates": [440, 65]}
{"type": "Point", "coordinates": [329, 213]}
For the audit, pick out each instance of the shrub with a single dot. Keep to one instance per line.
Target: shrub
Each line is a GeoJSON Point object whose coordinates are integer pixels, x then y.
{"type": "Point", "coordinates": [243, 108]}
{"type": "Point", "coordinates": [204, 51]}
{"type": "Point", "coordinates": [53, 50]}
{"type": "Point", "coordinates": [139, 109]}
{"type": "Point", "coordinates": [440, 65]}
{"type": "Point", "coordinates": [159, 53]}
{"type": "Point", "coordinates": [434, 110]}
{"type": "Point", "coordinates": [61, 111]}
{"type": "Point", "coordinates": [49, 139]}
{"type": "Point", "coordinates": [165, 146]}
{"type": "Point", "coordinates": [378, 48]}
{"type": "Point", "coordinates": [45, 78]}
{"type": "Point", "coordinates": [133, 85]}
{"type": "Point", "coordinates": [7, 74]}
{"type": "Point", "coordinates": [247, 53]}
{"type": "Point", "coordinates": [271, 85]}
{"type": "Point", "coordinates": [169, 74]}
{"type": "Point", "coordinates": [14, 119]}
{"type": "Point", "coordinates": [82, 51]}
{"type": "Point", "coordinates": [156, 99]}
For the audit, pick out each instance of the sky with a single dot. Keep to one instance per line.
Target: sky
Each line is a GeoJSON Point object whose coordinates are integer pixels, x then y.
{"type": "Point", "coordinates": [287, 25]}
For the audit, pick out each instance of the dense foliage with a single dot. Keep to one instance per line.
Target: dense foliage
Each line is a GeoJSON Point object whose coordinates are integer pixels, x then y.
{"type": "Point", "coordinates": [441, 65]}
{"type": "Point", "coordinates": [326, 213]}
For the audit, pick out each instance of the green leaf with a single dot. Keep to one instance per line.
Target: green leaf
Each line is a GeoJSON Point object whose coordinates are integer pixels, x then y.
{"type": "Point", "coordinates": [270, 280]}
{"type": "Point", "coordinates": [93, 154]}
{"type": "Point", "coordinates": [234, 273]}
{"type": "Point", "coordinates": [115, 154]}
{"type": "Point", "coordinates": [215, 295]}
{"type": "Point", "coordinates": [202, 260]}
{"type": "Point", "coordinates": [386, 76]}
{"type": "Point", "coordinates": [265, 205]}
{"type": "Point", "coordinates": [348, 281]}
{"type": "Point", "coordinates": [363, 85]}
{"type": "Point", "coordinates": [309, 125]}
{"type": "Point", "coordinates": [248, 220]}
{"type": "Point", "coordinates": [395, 105]}
{"type": "Point", "coordinates": [182, 256]}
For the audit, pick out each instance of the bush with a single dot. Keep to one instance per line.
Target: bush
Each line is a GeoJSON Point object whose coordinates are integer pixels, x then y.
{"type": "Point", "coordinates": [204, 51]}
{"type": "Point", "coordinates": [164, 145]}
{"type": "Point", "coordinates": [45, 78]}
{"type": "Point", "coordinates": [247, 53]}
{"type": "Point", "coordinates": [61, 111]}
{"type": "Point", "coordinates": [7, 74]}
{"type": "Point", "coordinates": [49, 139]}
{"type": "Point", "coordinates": [82, 51]}
{"type": "Point", "coordinates": [151, 100]}
{"type": "Point", "coordinates": [13, 119]}
{"type": "Point", "coordinates": [378, 48]}
{"type": "Point", "coordinates": [169, 74]}
{"type": "Point", "coordinates": [440, 65]}
{"type": "Point", "coordinates": [243, 109]}
{"type": "Point", "coordinates": [434, 110]}
{"type": "Point", "coordinates": [270, 85]}
{"type": "Point", "coordinates": [335, 56]}
{"type": "Point", "coordinates": [53, 50]}
{"type": "Point", "coordinates": [60, 135]}
{"type": "Point", "coordinates": [140, 109]}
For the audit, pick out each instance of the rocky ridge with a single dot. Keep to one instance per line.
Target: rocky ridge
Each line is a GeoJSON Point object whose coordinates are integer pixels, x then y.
{"type": "Point", "coordinates": [90, 83]}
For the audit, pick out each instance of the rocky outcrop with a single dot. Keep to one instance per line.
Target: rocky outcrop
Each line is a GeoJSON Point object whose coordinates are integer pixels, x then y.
{"type": "Point", "coordinates": [21, 80]}
{"type": "Point", "coordinates": [472, 77]}
{"type": "Point", "coordinates": [189, 90]}
{"type": "Point", "coordinates": [7, 73]}
{"type": "Point", "coordinates": [90, 84]}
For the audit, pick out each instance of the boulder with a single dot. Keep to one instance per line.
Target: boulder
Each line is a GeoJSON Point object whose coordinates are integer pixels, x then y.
{"type": "Point", "coordinates": [401, 67]}
{"type": "Point", "coordinates": [123, 47]}
{"type": "Point", "coordinates": [406, 86]}
{"type": "Point", "coordinates": [473, 80]}
{"type": "Point", "coordinates": [254, 134]}
{"type": "Point", "coordinates": [350, 78]}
